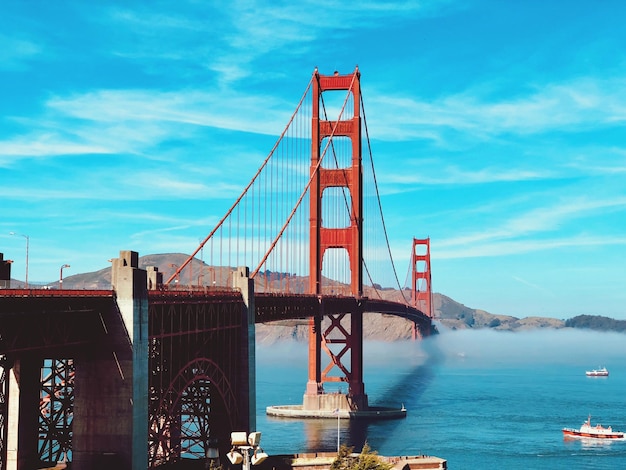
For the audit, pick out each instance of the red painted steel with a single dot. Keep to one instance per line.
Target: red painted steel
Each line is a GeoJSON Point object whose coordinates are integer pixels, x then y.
{"type": "Point", "coordinates": [56, 293]}
{"type": "Point", "coordinates": [56, 413]}
{"type": "Point", "coordinates": [349, 238]}
{"type": "Point", "coordinates": [421, 295]}
{"type": "Point", "coordinates": [199, 388]}
{"type": "Point", "coordinates": [421, 291]}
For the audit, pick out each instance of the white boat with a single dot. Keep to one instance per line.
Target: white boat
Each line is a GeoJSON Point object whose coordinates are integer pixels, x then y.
{"type": "Point", "coordinates": [601, 372]}
{"type": "Point", "coordinates": [597, 432]}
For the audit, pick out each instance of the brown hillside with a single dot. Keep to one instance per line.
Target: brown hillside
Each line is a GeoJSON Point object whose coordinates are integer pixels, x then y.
{"type": "Point", "coordinates": [448, 313]}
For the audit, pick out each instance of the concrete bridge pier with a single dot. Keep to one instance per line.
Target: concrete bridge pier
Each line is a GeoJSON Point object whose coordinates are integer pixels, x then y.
{"type": "Point", "coordinates": [131, 286]}
{"type": "Point", "coordinates": [23, 419]}
{"type": "Point", "coordinates": [111, 380]}
{"type": "Point", "coordinates": [102, 430]}
{"type": "Point", "coordinates": [245, 285]}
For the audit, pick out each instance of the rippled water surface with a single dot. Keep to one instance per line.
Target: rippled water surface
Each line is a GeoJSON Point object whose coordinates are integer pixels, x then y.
{"type": "Point", "coordinates": [480, 400]}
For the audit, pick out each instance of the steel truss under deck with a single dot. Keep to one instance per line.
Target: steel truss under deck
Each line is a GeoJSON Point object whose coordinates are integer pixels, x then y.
{"type": "Point", "coordinates": [56, 410]}
{"type": "Point", "coordinates": [196, 381]}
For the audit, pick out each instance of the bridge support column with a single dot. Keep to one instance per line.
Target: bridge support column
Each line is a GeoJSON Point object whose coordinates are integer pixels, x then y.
{"type": "Point", "coordinates": [11, 410]}
{"type": "Point", "coordinates": [314, 385]}
{"type": "Point", "coordinates": [130, 284]}
{"type": "Point", "coordinates": [23, 427]}
{"type": "Point", "coordinates": [245, 285]}
{"type": "Point", "coordinates": [102, 430]}
{"type": "Point", "coordinates": [357, 398]}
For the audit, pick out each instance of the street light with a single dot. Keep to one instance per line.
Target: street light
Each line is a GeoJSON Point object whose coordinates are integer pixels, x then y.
{"type": "Point", "coordinates": [27, 241]}
{"type": "Point", "coordinates": [246, 450]}
{"type": "Point", "coordinates": [61, 275]}
{"type": "Point", "coordinates": [176, 281]}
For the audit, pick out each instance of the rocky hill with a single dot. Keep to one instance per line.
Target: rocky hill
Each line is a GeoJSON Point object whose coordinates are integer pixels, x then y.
{"type": "Point", "coordinates": [448, 313]}
{"type": "Point", "coordinates": [454, 315]}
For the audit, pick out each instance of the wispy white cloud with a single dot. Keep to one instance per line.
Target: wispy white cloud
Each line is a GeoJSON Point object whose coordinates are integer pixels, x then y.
{"type": "Point", "coordinates": [580, 104]}
{"type": "Point", "coordinates": [219, 109]}
{"type": "Point", "coordinates": [446, 175]}
{"type": "Point", "coordinates": [156, 185]}
{"type": "Point", "coordinates": [519, 233]}
{"type": "Point", "coordinates": [550, 217]}
{"type": "Point", "coordinates": [237, 35]}
{"type": "Point", "coordinates": [135, 121]}
{"type": "Point", "coordinates": [534, 286]}
{"type": "Point", "coordinates": [599, 161]}
{"type": "Point", "coordinates": [516, 247]}
{"type": "Point", "coordinates": [16, 52]}
{"type": "Point", "coordinates": [138, 186]}
{"type": "Point", "coordinates": [42, 145]}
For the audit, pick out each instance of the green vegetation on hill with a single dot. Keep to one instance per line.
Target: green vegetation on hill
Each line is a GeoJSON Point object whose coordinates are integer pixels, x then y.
{"type": "Point", "coordinates": [366, 460]}
{"type": "Point", "coordinates": [596, 322]}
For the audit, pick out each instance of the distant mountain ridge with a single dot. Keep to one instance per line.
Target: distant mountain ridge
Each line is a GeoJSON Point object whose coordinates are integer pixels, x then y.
{"type": "Point", "coordinates": [448, 313]}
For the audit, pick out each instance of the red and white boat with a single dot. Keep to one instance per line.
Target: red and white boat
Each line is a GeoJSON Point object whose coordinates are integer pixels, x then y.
{"type": "Point", "coordinates": [597, 432]}
{"type": "Point", "coordinates": [601, 372]}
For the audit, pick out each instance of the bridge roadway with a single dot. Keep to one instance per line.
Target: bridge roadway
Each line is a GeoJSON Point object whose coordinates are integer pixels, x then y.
{"type": "Point", "coordinates": [273, 307]}
{"type": "Point", "coordinates": [50, 310]}
{"type": "Point", "coordinates": [199, 349]}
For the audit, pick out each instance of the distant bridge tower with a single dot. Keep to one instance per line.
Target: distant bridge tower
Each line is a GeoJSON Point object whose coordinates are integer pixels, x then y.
{"type": "Point", "coordinates": [421, 292]}
{"type": "Point", "coordinates": [349, 238]}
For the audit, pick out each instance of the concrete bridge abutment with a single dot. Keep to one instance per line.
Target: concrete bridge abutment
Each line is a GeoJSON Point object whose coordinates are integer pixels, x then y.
{"type": "Point", "coordinates": [245, 285]}
{"type": "Point", "coordinates": [110, 428]}
{"type": "Point", "coordinates": [23, 410]}
{"type": "Point", "coordinates": [131, 286]}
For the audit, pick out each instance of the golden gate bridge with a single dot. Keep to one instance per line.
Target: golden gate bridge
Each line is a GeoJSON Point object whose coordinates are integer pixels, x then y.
{"type": "Point", "coordinates": [309, 229]}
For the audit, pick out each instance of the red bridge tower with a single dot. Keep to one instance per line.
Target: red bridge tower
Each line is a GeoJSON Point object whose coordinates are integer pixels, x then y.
{"type": "Point", "coordinates": [421, 291]}
{"type": "Point", "coordinates": [349, 238]}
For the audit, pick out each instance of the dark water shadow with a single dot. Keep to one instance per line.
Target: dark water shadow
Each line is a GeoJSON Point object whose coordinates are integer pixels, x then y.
{"type": "Point", "coordinates": [406, 388]}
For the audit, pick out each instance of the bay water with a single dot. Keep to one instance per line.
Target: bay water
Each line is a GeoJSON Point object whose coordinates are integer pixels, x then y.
{"type": "Point", "coordinates": [479, 399]}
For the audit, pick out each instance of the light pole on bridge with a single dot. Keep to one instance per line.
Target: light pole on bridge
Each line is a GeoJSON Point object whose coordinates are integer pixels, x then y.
{"type": "Point", "coordinates": [176, 281]}
{"type": "Point", "coordinates": [61, 275]}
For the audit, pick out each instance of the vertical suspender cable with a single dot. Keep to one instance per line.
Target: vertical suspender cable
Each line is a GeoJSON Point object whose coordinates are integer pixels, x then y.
{"type": "Point", "coordinates": [395, 273]}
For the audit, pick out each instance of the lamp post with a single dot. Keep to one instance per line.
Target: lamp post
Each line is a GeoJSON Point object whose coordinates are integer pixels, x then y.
{"type": "Point", "coordinates": [336, 411]}
{"type": "Point", "coordinates": [246, 450]}
{"type": "Point", "coordinates": [27, 242]}
{"type": "Point", "coordinates": [61, 275]}
{"type": "Point", "coordinates": [176, 281]}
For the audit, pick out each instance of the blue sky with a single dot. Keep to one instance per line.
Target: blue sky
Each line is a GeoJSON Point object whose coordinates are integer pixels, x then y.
{"type": "Point", "coordinates": [497, 130]}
